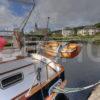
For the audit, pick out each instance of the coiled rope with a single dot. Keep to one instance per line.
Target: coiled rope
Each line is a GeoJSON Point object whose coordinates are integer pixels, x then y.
{"type": "Point", "coordinates": [73, 90]}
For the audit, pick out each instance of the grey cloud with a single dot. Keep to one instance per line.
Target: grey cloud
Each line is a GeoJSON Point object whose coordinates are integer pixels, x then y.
{"type": "Point", "coordinates": [65, 12]}
{"type": "Point", "coordinates": [70, 12]}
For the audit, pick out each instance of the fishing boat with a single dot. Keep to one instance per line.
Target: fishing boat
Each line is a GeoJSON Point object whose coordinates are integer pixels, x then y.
{"type": "Point", "coordinates": [68, 50]}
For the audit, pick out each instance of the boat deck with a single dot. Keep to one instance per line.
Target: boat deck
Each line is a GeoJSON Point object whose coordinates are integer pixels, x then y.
{"type": "Point", "coordinates": [9, 54]}
{"type": "Point", "coordinates": [14, 65]}
{"type": "Point", "coordinates": [28, 67]}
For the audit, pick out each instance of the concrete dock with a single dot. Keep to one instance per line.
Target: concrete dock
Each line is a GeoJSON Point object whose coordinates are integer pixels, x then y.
{"type": "Point", "coordinates": [95, 95]}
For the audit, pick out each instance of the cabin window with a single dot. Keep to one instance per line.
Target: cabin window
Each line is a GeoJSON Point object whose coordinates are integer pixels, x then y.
{"type": "Point", "coordinates": [11, 80]}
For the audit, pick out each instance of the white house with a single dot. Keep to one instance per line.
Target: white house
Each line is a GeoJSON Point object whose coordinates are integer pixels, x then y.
{"type": "Point", "coordinates": [67, 31]}
{"type": "Point", "coordinates": [82, 32]}
{"type": "Point", "coordinates": [90, 30]}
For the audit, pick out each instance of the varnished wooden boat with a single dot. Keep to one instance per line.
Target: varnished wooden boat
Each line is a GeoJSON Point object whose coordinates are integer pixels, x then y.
{"type": "Point", "coordinates": [50, 48]}
{"type": "Point", "coordinates": [70, 50]}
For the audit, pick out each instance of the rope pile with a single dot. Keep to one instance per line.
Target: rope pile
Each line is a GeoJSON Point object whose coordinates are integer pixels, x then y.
{"type": "Point", "coordinates": [73, 90]}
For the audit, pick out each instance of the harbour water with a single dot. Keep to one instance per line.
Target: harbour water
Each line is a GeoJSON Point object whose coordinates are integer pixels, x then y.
{"type": "Point", "coordinates": [83, 70]}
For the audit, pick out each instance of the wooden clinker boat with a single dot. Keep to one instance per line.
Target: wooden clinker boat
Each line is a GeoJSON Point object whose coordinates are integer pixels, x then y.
{"type": "Point", "coordinates": [71, 50]}
{"type": "Point", "coordinates": [50, 48]}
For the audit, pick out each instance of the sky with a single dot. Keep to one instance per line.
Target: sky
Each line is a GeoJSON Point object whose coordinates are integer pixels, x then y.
{"type": "Point", "coordinates": [62, 13]}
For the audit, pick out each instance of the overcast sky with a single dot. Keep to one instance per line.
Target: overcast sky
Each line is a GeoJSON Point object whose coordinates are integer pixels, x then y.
{"type": "Point", "coordinates": [62, 13]}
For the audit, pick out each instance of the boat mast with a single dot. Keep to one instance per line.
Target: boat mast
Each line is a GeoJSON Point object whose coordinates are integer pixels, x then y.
{"type": "Point", "coordinates": [46, 34]}
{"type": "Point", "coordinates": [23, 25]}
{"type": "Point", "coordinates": [48, 23]}
{"type": "Point", "coordinates": [25, 21]}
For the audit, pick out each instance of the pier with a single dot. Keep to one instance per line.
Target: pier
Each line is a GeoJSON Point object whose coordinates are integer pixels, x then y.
{"type": "Point", "coordinates": [95, 95]}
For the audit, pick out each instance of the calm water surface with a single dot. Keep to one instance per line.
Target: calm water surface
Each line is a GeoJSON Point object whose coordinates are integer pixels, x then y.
{"type": "Point", "coordinates": [83, 70]}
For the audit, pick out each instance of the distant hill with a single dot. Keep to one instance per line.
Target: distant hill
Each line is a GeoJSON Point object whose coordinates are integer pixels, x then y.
{"type": "Point", "coordinates": [97, 25]}
{"type": "Point", "coordinates": [57, 31]}
{"type": "Point", "coordinates": [79, 27]}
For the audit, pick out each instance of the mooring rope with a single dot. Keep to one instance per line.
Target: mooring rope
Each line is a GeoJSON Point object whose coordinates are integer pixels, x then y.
{"type": "Point", "coordinates": [73, 90]}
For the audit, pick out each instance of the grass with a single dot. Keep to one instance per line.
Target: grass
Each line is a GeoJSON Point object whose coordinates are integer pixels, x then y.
{"type": "Point", "coordinates": [78, 38]}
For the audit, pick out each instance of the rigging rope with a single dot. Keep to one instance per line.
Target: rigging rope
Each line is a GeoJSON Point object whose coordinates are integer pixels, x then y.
{"type": "Point", "coordinates": [37, 78]}
{"type": "Point", "coordinates": [27, 18]}
{"type": "Point", "coordinates": [34, 80]}
{"type": "Point", "coordinates": [73, 90]}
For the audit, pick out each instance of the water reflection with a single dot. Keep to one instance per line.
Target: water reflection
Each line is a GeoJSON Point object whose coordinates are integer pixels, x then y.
{"type": "Point", "coordinates": [82, 71]}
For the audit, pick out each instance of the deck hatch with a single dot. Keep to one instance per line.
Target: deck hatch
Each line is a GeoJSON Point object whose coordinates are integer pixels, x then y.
{"type": "Point", "coordinates": [11, 80]}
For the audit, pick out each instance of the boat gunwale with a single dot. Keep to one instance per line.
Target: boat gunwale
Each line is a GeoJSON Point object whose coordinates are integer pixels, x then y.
{"type": "Point", "coordinates": [38, 87]}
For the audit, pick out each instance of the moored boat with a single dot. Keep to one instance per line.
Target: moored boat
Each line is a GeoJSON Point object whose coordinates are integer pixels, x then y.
{"type": "Point", "coordinates": [50, 48]}
{"type": "Point", "coordinates": [69, 50]}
